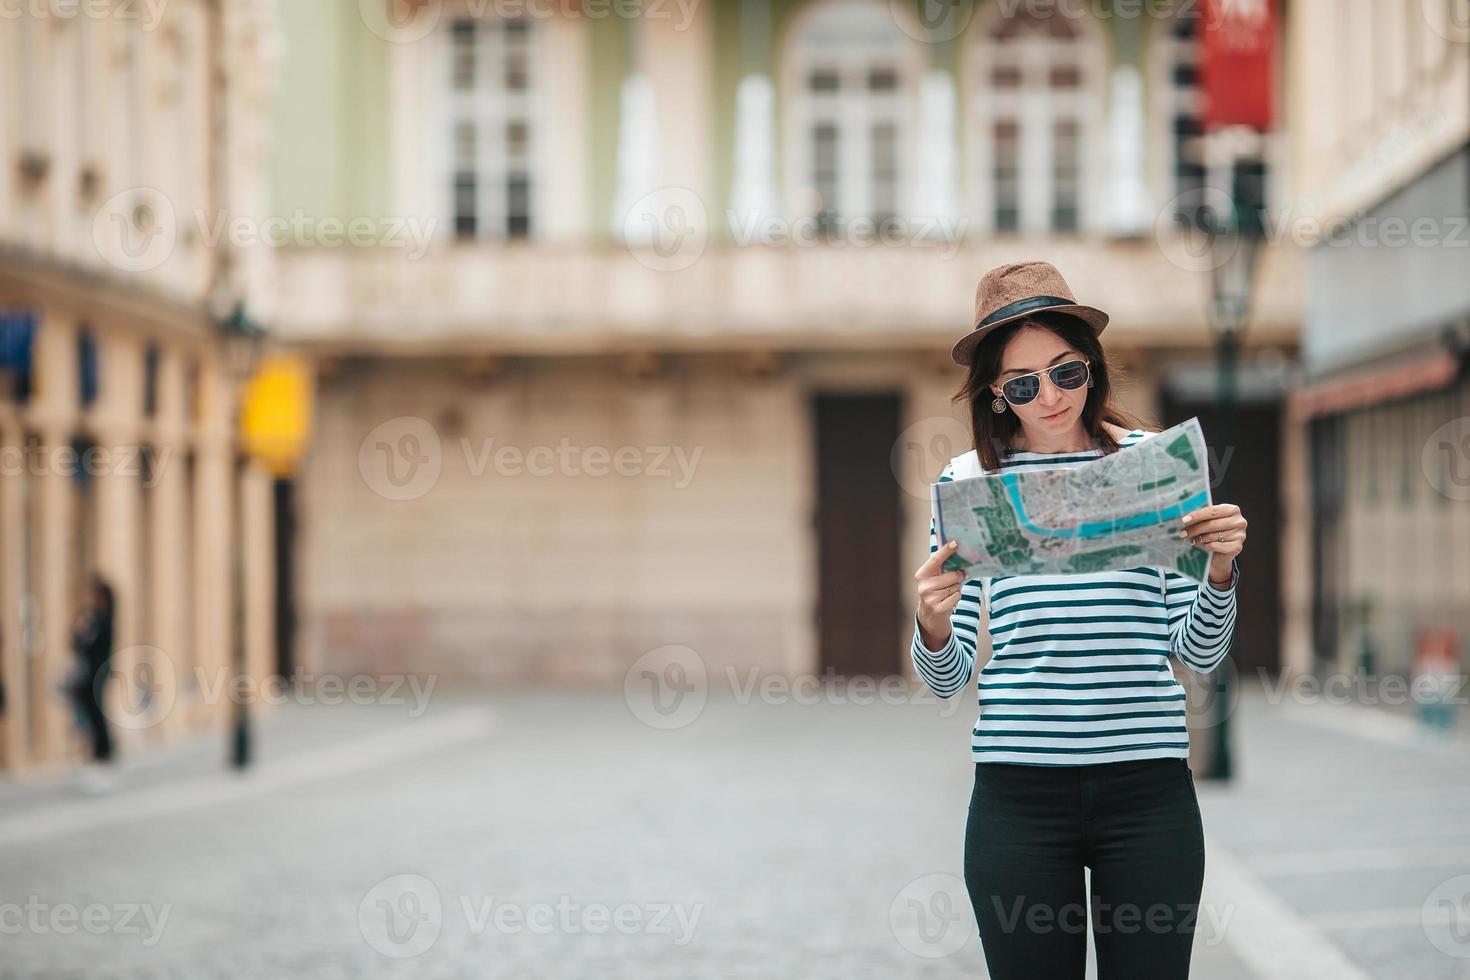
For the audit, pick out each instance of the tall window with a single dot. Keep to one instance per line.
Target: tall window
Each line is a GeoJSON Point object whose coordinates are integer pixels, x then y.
{"type": "Point", "coordinates": [852, 101]}
{"type": "Point", "coordinates": [491, 127]}
{"type": "Point", "coordinates": [1179, 123]}
{"type": "Point", "coordinates": [1036, 75]}
{"type": "Point", "coordinates": [1180, 90]}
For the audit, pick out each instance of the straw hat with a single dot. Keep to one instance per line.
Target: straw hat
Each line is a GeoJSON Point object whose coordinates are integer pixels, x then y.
{"type": "Point", "coordinates": [1019, 289]}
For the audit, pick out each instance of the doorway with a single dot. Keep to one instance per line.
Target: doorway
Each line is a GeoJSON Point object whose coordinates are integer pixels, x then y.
{"type": "Point", "coordinates": [1247, 473]}
{"type": "Point", "coordinates": [858, 516]}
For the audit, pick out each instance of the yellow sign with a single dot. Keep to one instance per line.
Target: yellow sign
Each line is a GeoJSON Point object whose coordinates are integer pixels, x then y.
{"type": "Point", "coordinates": [275, 419]}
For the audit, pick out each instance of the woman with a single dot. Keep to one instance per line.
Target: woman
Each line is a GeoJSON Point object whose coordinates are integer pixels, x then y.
{"type": "Point", "coordinates": [1081, 750]}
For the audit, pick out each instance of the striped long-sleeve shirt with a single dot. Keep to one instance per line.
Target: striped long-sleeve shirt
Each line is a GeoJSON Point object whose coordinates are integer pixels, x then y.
{"type": "Point", "coordinates": [1080, 667]}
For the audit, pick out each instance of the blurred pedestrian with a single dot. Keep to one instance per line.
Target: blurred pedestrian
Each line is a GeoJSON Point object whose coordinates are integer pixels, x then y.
{"type": "Point", "coordinates": [92, 646]}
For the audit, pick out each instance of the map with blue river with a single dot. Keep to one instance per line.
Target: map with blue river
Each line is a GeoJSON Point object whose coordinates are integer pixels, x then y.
{"type": "Point", "coordinates": [1121, 510]}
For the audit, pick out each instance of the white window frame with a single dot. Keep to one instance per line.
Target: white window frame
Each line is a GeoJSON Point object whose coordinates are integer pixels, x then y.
{"type": "Point", "coordinates": [1036, 107]}
{"type": "Point", "coordinates": [853, 109]}
{"type": "Point", "coordinates": [1217, 154]}
{"type": "Point", "coordinates": [1168, 100]}
{"type": "Point", "coordinates": [489, 106]}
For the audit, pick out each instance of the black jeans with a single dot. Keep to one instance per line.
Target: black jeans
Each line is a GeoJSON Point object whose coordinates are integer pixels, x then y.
{"type": "Point", "coordinates": [1030, 832]}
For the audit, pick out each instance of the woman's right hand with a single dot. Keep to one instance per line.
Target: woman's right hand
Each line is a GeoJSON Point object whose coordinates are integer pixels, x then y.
{"type": "Point", "coordinates": [939, 593]}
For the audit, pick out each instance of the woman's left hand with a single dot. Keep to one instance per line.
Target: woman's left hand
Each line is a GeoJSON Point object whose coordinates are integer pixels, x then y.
{"type": "Point", "coordinates": [1220, 530]}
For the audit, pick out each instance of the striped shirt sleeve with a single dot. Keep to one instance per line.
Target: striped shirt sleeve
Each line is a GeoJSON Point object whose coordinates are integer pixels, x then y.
{"type": "Point", "coordinates": [947, 670]}
{"type": "Point", "coordinates": [1201, 620]}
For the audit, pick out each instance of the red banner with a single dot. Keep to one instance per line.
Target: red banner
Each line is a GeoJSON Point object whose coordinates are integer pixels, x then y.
{"type": "Point", "coordinates": [1237, 62]}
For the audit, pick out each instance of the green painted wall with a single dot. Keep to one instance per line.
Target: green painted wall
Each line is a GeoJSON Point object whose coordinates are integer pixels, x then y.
{"type": "Point", "coordinates": [329, 119]}
{"type": "Point", "coordinates": [611, 40]}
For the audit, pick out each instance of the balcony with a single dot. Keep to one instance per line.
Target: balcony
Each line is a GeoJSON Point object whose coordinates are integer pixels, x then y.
{"type": "Point", "coordinates": [551, 298]}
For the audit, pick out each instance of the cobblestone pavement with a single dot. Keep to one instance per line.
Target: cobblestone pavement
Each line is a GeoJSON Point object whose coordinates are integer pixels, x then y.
{"type": "Point", "coordinates": [532, 834]}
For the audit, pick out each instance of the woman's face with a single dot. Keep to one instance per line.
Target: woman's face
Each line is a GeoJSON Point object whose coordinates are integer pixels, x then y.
{"type": "Point", "coordinates": [1053, 411]}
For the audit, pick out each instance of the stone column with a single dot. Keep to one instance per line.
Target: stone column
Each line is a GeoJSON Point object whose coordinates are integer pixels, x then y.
{"type": "Point", "coordinates": [114, 423]}
{"type": "Point", "coordinates": [54, 418]}
{"type": "Point", "coordinates": [14, 740]}
{"type": "Point", "coordinates": [169, 561]}
{"type": "Point", "coordinates": [214, 516]}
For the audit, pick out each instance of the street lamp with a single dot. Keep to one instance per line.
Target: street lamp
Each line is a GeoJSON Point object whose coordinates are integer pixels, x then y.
{"type": "Point", "coordinates": [242, 341]}
{"type": "Point", "coordinates": [1239, 236]}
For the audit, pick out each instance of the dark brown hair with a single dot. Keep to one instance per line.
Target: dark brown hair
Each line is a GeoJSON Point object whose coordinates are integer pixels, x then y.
{"type": "Point", "coordinates": [995, 434]}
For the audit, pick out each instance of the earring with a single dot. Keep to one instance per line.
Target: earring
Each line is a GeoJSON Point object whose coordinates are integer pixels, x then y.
{"type": "Point", "coordinates": [998, 406]}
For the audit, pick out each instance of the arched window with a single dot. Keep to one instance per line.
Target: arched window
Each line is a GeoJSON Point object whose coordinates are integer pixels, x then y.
{"type": "Point", "coordinates": [851, 94]}
{"type": "Point", "coordinates": [1035, 78]}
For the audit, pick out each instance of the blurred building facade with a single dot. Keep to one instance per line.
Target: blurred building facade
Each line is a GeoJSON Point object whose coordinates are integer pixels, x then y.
{"type": "Point", "coordinates": [621, 370]}
{"type": "Point", "coordinates": [1380, 557]}
{"type": "Point", "coordinates": [120, 139]}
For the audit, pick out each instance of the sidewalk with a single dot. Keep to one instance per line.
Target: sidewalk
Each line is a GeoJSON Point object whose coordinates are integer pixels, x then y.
{"type": "Point", "coordinates": [801, 838]}
{"type": "Point", "coordinates": [1348, 824]}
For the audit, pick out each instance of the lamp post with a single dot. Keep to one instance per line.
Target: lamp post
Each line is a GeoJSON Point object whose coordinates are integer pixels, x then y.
{"type": "Point", "coordinates": [242, 340]}
{"type": "Point", "coordinates": [1239, 235]}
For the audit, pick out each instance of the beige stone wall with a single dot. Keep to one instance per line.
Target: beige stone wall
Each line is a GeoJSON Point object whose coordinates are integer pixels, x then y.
{"type": "Point", "coordinates": [466, 564]}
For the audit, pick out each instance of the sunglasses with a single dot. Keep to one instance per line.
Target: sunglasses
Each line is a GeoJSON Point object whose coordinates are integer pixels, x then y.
{"type": "Point", "coordinates": [1068, 376]}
